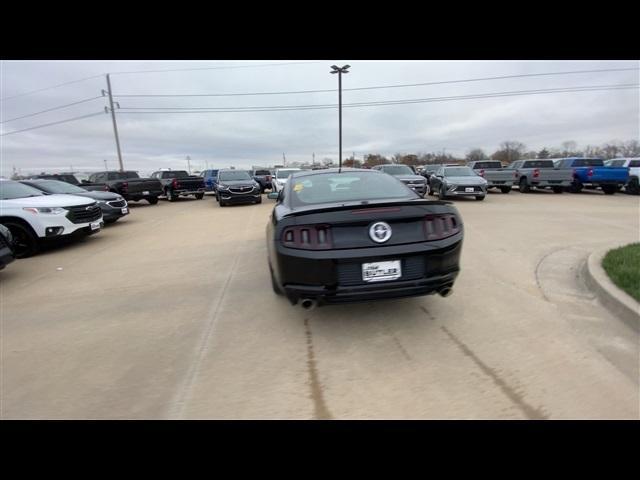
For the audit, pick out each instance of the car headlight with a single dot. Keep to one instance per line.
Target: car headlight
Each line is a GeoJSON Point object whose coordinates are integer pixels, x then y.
{"type": "Point", "coordinates": [46, 210]}
{"type": "Point", "coordinates": [100, 202]}
{"type": "Point", "coordinates": [222, 187]}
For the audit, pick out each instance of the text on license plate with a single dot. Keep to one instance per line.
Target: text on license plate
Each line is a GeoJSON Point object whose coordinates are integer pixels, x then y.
{"type": "Point", "coordinates": [146, 192]}
{"type": "Point", "coordinates": [125, 210]}
{"type": "Point", "coordinates": [95, 225]}
{"type": "Point", "coordinates": [380, 271]}
{"type": "Point", "coordinates": [469, 189]}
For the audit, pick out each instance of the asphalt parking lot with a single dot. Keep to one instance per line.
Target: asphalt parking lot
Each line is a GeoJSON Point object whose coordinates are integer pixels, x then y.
{"type": "Point", "coordinates": [169, 313]}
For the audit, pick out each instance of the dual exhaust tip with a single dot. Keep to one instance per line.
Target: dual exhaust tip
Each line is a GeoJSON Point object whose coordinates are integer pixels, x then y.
{"type": "Point", "coordinates": [310, 304]}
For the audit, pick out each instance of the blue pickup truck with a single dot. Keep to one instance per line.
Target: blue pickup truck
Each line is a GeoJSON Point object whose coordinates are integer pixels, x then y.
{"type": "Point", "coordinates": [591, 173]}
{"type": "Point", "coordinates": [210, 180]}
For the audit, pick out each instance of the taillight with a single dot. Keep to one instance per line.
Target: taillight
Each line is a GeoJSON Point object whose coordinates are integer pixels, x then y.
{"type": "Point", "coordinates": [437, 227]}
{"type": "Point", "coordinates": [175, 183]}
{"type": "Point", "coordinates": [481, 173]}
{"type": "Point", "coordinates": [307, 237]}
{"type": "Point", "coordinates": [106, 188]}
{"type": "Point", "coordinates": [125, 185]}
{"type": "Point", "coordinates": [515, 174]}
{"type": "Point", "coordinates": [590, 172]}
{"type": "Point", "coordinates": [268, 178]}
{"type": "Point", "coordinates": [536, 173]}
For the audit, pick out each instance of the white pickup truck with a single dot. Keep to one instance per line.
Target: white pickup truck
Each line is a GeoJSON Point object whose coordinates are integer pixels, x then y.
{"type": "Point", "coordinates": [494, 174]}
{"type": "Point", "coordinates": [633, 164]}
{"type": "Point", "coordinates": [34, 218]}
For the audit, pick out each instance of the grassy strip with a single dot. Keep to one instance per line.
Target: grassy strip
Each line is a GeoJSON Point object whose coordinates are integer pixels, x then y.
{"type": "Point", "coordinates": [623, 267]}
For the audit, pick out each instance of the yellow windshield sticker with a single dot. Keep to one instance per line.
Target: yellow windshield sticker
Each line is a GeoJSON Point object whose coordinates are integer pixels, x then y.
{"type": "Point", "coordinates": [298, 186]}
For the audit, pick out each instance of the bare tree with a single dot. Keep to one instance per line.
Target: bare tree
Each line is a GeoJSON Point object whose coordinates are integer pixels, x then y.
{"type": "Point", "coordinates": [509, 151]}
{"type": "Point", "coordinates": [544, 153]}
{"type": "Point", "coordinates": [569, 148]}
{"type": "Point", "coordinates": [476, 154]}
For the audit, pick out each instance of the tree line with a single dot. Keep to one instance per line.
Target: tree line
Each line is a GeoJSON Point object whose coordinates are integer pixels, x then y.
{"type": "Point", "coordinates": [508, 151]}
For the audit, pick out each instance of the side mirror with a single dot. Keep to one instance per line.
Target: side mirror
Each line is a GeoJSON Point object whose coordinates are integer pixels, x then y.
{"type": "Point", "coordinates": [273, 195]}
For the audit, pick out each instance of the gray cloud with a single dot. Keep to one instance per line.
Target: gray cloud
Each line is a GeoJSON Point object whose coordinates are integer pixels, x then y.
{"type": "Point", "coordinates": [150, 141]}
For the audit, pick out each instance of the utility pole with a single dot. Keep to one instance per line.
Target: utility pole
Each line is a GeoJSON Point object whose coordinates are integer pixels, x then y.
{"type": "Point", "coordinates": [313, 155]}
{"type": "Point", "coordinates": [115, 125]}
{"type": "Point", "coordinates": [105, 164]}
{"type": "Point", "coordinates": [284, 160]}
{"type": "Point", "coordinates": [340, 71]}
{"type": "Point", "coordinates": [189, 164]}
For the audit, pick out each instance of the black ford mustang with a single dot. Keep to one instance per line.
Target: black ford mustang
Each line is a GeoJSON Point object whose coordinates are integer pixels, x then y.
{"type": "Point", "coordinates": [357, 235]}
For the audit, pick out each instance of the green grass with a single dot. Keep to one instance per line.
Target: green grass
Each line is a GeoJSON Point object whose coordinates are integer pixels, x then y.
{"type": "Point", "coordinates": [623, 267]}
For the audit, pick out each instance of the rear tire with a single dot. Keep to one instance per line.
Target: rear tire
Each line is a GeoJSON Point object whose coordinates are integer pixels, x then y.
{"type": "Point", "coordinates": [524, 185]}
{"type": "Point", "coordinates": [505, 189]}
{"type": "Point", "coordinates": [170, 195]}
{"type": "Point", "coordinates": [25, 241]}
{"type": "Point", "coordinates": [609, 189]}
{"type": "Point", "coordinates": [633, 187]}
{"type": "Point", "coordinates": [575, 187]}
{"type": "Point", "coordinates": [558, 189]}
{"type": "Point", "coordinates": [199, 196]}
{"type": "Point", "coordinates": [152, 200]}
{"type": "Point", "coordinates": [276, 288]}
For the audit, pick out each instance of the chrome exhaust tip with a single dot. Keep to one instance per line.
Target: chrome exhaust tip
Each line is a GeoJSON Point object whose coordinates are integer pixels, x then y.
{"type": "Point", "coordinates": [308, 303]}
{"type": "Point", "coordinates": [445, 291]}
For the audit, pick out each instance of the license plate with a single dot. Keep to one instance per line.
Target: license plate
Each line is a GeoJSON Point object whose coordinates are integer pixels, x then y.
{"type": "Point", "coordinates": [146, 192]}
{"type": "Point", "coordinates": [380, 271]}
{"type": "Point", "coordinates": [125, 210]}
{"type": "Point", "coordinates": [95, 226]}
{"type": "Point", "coordinates": [469, 189]}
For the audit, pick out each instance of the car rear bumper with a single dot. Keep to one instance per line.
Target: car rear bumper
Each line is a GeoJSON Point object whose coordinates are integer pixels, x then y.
{"type": "Point", "coordinates": [189, 191]}
{"type": "Point", "coordinates": [336, 276]}
{"type": "Point", "coordinates": [550, 183]}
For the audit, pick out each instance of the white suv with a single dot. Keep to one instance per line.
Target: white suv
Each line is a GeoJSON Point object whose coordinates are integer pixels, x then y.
{"type": "Point", "coordinates": [34, 218]}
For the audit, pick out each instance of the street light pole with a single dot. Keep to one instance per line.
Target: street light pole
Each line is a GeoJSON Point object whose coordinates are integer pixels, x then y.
{"type": "Point", "coordinates": [340, 71]}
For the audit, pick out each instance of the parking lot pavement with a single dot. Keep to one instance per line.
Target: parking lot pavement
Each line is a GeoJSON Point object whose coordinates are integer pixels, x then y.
{"type": "Point", "coordinates": [169, 313]}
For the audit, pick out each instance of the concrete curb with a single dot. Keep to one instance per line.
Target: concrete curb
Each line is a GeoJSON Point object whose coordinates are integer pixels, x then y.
{"type": "Point", "coordinates": [619, 302]}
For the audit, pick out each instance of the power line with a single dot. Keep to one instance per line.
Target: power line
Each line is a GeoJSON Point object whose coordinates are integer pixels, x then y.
{"type": "Point", "coordinates": [52, 109]}
{"type": "Point", "coordinates": [52, 123]}
{"type": "Point", "coordinates": [49, 88]}
{"type": "Point", "coordinates": [293, 92]}
{"type": "Point", "coordinates": [376, 103]}
{"type": "Point", "coordinates": [225, 67]}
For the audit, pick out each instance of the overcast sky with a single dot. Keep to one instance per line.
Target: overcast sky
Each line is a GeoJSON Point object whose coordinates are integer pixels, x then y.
{"type": "Point", "coordinates": [151, 141]}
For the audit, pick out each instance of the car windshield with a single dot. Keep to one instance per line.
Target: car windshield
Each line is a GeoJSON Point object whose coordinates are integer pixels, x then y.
{"type": "Point", "coordinates": [234, 175]}
{"type": "Point", "coordinates": [177, 174]}
{"type": "Point", "coordinates": [398, 170]}
{"type": "Point", "coordinates": [538, 164]}
{"type": "Point", "coordinates": [122, 175]}
{"type": "Point", "coordinates": [262, 172]}
{"type": "Point", "coordinates": [285, 173]}
{"type": "Point", "coordinates": [346, 187]}
{"type": "Point", "coordinates": [54, 186]}
{"type": "Point", "coordinates": [11, 190]}
{"type": "Point", "coordinates": [487, 165]}
{"type": "Point", "coordinates": [459, 172]}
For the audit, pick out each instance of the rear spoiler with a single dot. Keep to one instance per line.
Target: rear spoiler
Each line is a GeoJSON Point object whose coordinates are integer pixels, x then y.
{"type": "Point", "coordinates": [360, 206]}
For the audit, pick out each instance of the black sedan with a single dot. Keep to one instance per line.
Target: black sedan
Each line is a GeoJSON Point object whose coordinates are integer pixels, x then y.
{"type": "Point", "coordinates": [113, 206]}
{"type": "Point", "coordinates": [358, 235]}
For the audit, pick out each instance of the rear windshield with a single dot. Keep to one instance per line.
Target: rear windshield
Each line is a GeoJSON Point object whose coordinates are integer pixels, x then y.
{"type": "Point", "coordinates": [634, 163]}
{"type": "Point", "coordinates": [487, 165]}
{"type": "Point", "coordinates": [122, 175]}
{"type": "Point", "coordinates": [11, 190]}
{"type": "Point", "coordinates": [176, 174]}
{"type": "Point", "coordinates": [616, 163]}
{"type": "Point", "coordinates": [233, 175]}
{"type": "Point", "coordinates": [588, 162]}
{"type": "Point", "coordinates": [262, 172]}
{"type": "Point", "coordinates": [538, 164]}
{"type": "Point", "coordinates": [346, 187]}
{"type": "Point", "coordinates": [459, 172]}
{"type": "Point", "coordinates": [397, 170]}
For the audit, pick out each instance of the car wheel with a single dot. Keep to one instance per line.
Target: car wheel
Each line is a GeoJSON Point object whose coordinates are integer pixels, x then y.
{"type": "Point", "coordinates": [199, 196]}
{"type": "Point", "coordinates": [170, 195]}
{"type": "Point", "coordinates": [558, 189]}
{"type": "Point", "coordinates": [633, 187]}
{"type": "Point", "coordinates": [505, 189]}
{"type": "Point", "coordinates": [259, 200]}
{"type": "Point", "coordinates": [524, 185]}
{"type": "Point", "coordinates": [480, 197]}
{"type": "Point", "coordinates": [152, 200]}
{"type": "Point", "coordinates": [25, 241]}
{"type": "Point", "coordinates": [609, 189]}
{"type": "Point", "coordinates": [441, 193]}
{"type": "Point", "coordinates": [575, 187]}
{"type": "Point", "coordinates": [221, 203]}
{"type": "Point", "coordinates": [276, 288]}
